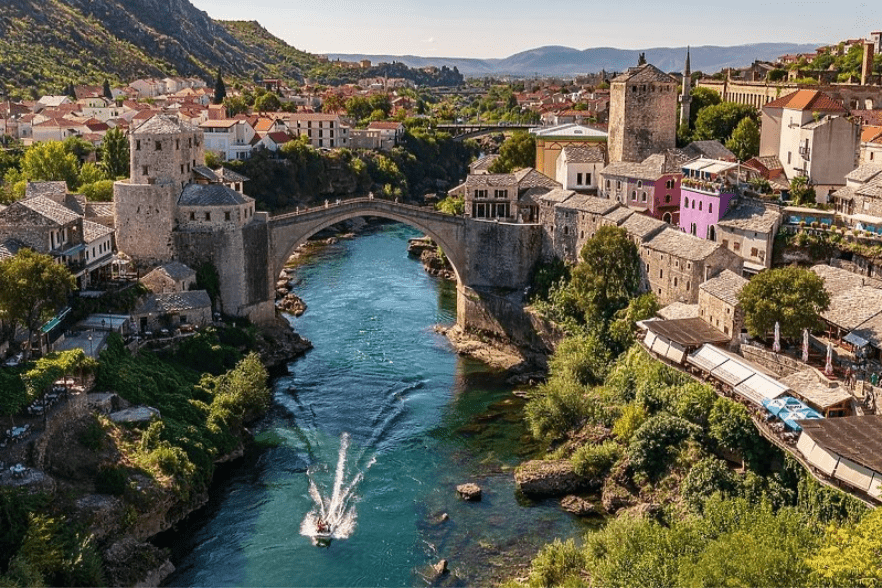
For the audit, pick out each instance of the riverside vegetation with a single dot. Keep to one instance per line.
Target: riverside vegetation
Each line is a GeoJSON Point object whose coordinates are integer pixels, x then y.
{"type": "Point", "coordinates": [641, 433]}
{"type": "Point", "coordinates": [206, 389]}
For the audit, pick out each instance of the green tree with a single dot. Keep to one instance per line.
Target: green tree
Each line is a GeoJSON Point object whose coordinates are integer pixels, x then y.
{"type": "Point", "coordinates": [382, 103]}
{"type": "Point", "coordinates": [359, 107]}
{"type": "Point", "coordinates": [717, 122]}
{"type": "Point", "coordinates": [745, 139]}
{"type": "Point", "coordinates": [34, 287]}
{"type": "Point", "coordinates": [50, 162]}
{"type": "Point", "coordinates": [850, 555]}
{"type": "Point", "coordinates": [791, 296]}
{"type": "Point", "coordinates": [220, 89]}
{"type": "Point", "coordinates": [269, 102]}
{"type": "Point", "coordinates": [100, 191]}
{"type": "Point", "coordinates": [451, 205]}
{"type": "Point", "coordinates": [114, 154]}
{"type": "Point", "coordinates": [518, 151]}
{"type": "Point", "coordinates": [81, 148]}
{"type": "Point", "coordinates": [609, 273]}
{"type": "Point", "coordinates": [621, 330]}
{"type": "Point", "coordinates": [90, 173]}
{"type": "Point", "coordinates": [701, 99]}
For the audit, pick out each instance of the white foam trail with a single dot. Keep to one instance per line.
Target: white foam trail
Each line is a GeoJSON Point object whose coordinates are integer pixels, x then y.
{"type": "Point", "coordinates": [338, 509]}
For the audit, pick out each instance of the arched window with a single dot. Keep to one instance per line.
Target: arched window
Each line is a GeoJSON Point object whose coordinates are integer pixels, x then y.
{"type": "Point", "coordinates": [639, 183]}
{"type": "Point", "coordinates": [712, 233]}
{"type": "Point", "coordinates": [710, 206]}
{"type": "Point", "coordinates": [634, 195]}
{"type": "Point", "coordinates": [700, 204]}
{"type": "Point", "coordinates": [686, 200]}
{"type": "Point", "coordinates": [667, 217]}
{"type": "Point", "coordinates": [667, 198]}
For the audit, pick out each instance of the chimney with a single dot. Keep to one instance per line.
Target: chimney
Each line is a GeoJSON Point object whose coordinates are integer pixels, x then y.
{"type": "Point", "coordinates": [867, 68]}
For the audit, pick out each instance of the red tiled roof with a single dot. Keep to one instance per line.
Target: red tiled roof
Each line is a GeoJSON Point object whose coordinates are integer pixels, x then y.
{"type": "Point", "coordinates": [279, 137]}
{"type": "Point", "coordinates": [807, 100]}
{"type": "Point", "coordinates": [385, 125]}
{"type": "Point", "coordinates": [870, 134]}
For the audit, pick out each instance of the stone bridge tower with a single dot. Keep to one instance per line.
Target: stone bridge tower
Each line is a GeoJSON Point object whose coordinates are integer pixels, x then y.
{"type": "Point", "coordinates": [163, 152]}
{"type": "Point", "coordinates": [642, 114]}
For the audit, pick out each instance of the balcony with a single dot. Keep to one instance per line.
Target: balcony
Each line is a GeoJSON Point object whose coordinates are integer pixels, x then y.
{"type": "Point", "coordinates": [805, 152]}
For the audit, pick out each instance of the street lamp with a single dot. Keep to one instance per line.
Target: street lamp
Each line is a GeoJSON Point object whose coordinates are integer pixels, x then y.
{"type": "Point", "coordinates": [90, 344]}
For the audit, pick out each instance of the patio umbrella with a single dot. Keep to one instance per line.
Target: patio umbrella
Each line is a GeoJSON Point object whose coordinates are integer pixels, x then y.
{"type": "Point", "coordinates": [776, 346]}
{"type": "Point", "coordinates": [805, 345]}
{"type": "Point", "coordinates": [828, 367]}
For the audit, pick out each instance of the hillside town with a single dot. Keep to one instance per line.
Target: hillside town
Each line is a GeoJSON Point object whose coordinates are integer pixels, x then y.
{"type": "Point", "coordinates": [608, 150]}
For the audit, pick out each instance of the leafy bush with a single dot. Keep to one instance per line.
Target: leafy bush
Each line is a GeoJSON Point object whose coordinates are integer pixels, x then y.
{"type": "Point", "coordinates": [704, 479]}
{"type": "Point", "coordinates": [633, 417]}
{"type": "Point", "coordinates": [730, 425]}
{"type": "Point", "coordinates": [657, 441]}
{"type": "Point", "coordinates": [594, 461]}
{"type": "Point", "coordinates": [558, 564]}
{"type": "Point", "coordinates": [556, 409]}
{"type": "Point", "coordinates": [694, 402]}
{"type": "Point", "coordinates": [111, 480]}
{"type": "Point", "coordinates": [583, 359]}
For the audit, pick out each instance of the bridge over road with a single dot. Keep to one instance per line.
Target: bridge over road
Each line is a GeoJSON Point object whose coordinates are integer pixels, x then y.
{"type": "Point", "coordinates": [464, 131]}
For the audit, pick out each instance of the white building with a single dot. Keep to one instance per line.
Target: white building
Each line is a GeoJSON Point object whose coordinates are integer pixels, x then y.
{"type": "Point", "coordinates": [229, 138]}
{"type": "Point", "coordinates": [812, 137]}
{"type": "Point", "coordinates": [578, 167]}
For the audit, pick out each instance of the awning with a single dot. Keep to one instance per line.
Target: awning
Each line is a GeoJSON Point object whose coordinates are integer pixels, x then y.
{"type": "Point", "coordinates": [732, 372]}
{"type": "Point", "coordinates": [855, 474]}
{"type": "Point", "coordinates": [855, 340]}
{"type": "Point", "coordinates": [782, 403]}
{"type": "Point", "coordinates": [707, 358]}
{"type": "Point", "coordinates": [760, 388]}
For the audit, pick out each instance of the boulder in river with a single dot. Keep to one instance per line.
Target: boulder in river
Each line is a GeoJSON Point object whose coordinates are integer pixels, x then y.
{"type": "Point", "coordinates": [577, 506]}
{"type": "Point", "coordinates": [469, 492]}
{"type": "Point", "coordinates": [548, 478]}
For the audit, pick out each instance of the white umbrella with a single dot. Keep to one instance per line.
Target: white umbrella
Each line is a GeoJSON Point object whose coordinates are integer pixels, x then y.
{"type": "Point", "coordinates": [776, 346]}
{"type": "Point", "coordinates": [828, 367]}
{"type": "Point", "coordinates": [805, 345]}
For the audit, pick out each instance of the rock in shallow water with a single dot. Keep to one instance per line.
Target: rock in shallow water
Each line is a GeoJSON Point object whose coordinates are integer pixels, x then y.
{"type": "Point", "coordinates": [469, 492]}
{"type": "Point", "coordinates": [548, 478]}
{"type": "Point", "coordinates": [576, 505]}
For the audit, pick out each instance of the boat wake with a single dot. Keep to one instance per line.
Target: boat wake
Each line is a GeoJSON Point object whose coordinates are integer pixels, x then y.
{"type": "Point", "coordinates": [337, 507]}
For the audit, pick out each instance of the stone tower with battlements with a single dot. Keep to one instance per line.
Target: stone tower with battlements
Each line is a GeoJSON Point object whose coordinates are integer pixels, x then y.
{"type": "Point", "coordinates": [643, 114]}
{"type": "Point", "coordinates": [163, 153]}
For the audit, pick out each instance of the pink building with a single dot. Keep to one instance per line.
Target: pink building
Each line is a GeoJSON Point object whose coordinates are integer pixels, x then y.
{"type": "Point", "coordinates": [706, 191]}
{"type": "Point", "coordinates": [651, 187]}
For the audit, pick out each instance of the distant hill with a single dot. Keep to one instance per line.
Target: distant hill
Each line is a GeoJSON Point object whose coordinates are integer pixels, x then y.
{"type": "Point", "coordinates": [566, 61]}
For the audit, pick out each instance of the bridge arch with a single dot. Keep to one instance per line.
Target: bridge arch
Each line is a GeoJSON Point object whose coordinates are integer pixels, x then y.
{"type": "Point", "coordinates": [287, 232]}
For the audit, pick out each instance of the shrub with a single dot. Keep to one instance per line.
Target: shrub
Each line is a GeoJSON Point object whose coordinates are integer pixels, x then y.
{"type": "Point", "coordinates": [558, 564]}
{"type": "Point", "coordinates": [594, 461]}
{"type": "Point", "coordinates": [694, 402]}
{"type": "Point", "coordinates": [111, 480]}
{"type": "Point", "coordinates": [704, 479]}
{"type": "Point", "coordinates": [657, 441]}
{"type": "Point", "coordinates": [730, 425]}
{"type": "Point", "coordinates": [633, 416]}
{"type": "Point", "coordinates": [558, 408]}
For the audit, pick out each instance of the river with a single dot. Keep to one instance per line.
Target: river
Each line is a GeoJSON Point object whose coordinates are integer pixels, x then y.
{"type": "Point", "coordinates": [372, 430]}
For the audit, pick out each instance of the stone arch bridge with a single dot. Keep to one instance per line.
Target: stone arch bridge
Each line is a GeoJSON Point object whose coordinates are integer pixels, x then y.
{"type": "Point", "coordinates": [487, 257]}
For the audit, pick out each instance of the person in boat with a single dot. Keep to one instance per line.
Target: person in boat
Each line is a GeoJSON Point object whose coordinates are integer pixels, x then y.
{"type": "Point", "coordinates": [322, 527]}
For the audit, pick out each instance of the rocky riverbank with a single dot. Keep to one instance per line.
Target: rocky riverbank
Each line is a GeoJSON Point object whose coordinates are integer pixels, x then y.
{"type": "Point", "coordinates": [433, 259]}
{"type": "Point", "coordinates": [524, 367]}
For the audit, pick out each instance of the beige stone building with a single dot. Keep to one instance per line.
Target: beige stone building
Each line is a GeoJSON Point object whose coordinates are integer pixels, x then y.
{"type": "Point", "coordinates": [861, 198]}
{"type": "Point", "coordinates": [643, 114]}
{"type": "Point", "coordinates": [718, 303]}
{"type": "Point", "coordinates": [170, 277]}
{"type": "Point", "coordinates": [550, 142]}
{"type": "Point", "coordinates": [506, 197]}
{"type": "Point", "coordinates": [578, 167]}
{"type": "Point", "coordinates": [749, 229]}
{"type": "Point", "coordinates": [812, 137]}
{"type": "Point", "coordinates": [576, 219]}
{"type": "Point", "coordinates": [676, 263]}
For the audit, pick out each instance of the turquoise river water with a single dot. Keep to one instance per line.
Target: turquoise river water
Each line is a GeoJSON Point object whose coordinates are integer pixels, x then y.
{"type": "Point", "coordinates": [372, 430]}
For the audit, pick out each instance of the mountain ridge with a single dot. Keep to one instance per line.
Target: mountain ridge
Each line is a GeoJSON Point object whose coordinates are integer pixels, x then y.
{"type": "Point", "coordinates": [561, 60]}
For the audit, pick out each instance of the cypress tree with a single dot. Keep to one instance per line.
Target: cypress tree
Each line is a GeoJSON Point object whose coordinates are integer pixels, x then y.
{"type": "Point", "coordinates": [107, 92]}
{"type": "Point", "coordinates": [220, 90]}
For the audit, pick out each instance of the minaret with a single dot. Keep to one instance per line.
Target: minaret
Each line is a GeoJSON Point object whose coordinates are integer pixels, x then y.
{"type": "Point", "coordinates": [685, 95]}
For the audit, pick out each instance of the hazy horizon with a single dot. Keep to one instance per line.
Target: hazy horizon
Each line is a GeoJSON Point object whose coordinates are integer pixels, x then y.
{"type": "Point", "coordinates": [481, 29]}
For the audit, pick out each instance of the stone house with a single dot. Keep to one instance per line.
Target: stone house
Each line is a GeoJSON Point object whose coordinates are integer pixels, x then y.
{"type": "Point", "coordinates": [390, 133]}
{"type": "Point", "coordinates": [506, 197]}
{"type": "Point", "coordinates": [169, 311]}
{"type": "Point", "coordinates": [641, 228]}
{"type": "Point", "coordinates": [482, 164]}
{"type": "Point", "coordinates": [642, 113]}
{"type": "Point", "coordinates": [871, 145]}
{"type": "Point", "coordinates": [46, 227]}
{"type": "Point", "coordinates": [861, 196]}
{"type": "Point", "coordinates": [273, 141]}
{"type": "Point", "coordinates": [551, 141]}
{"type": "Point", "coordinates": [675, 264]}
{"type": "Point", "coordinates": [578, 167]}
{"type": "Point", "coordinates": [576, 219]}
{"type": "Point", "coordinates": [749, 230]}
{"type": "Point", "coordinates": [718, 303]}
{"type": "Point", "coordinates": [170, 277]}
{"type": "Point", "coordinates": [811, 135]}
{"type": "Point", "coordinates": [709, 150]}
{"type": "Point", "coordinates": [651, 186]}
{"type": "Point", "coordinates": [98, 251]}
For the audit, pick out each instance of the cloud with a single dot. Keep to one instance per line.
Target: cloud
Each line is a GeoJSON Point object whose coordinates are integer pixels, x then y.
{"type": "Point", "coordinates": [429, 40]}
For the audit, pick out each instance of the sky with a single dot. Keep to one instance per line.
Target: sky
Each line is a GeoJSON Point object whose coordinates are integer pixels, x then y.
{"type": "Point", "coordinates": [485, 29]}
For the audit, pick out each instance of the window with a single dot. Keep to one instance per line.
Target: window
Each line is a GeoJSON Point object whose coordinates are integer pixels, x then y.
{"type": "Point", "coordinates": [158, 145]}
{"type": "Point", "coordinates": [192, 216]}
{"type": "Point", "coordinates": [587, 179]}
{"type": "Point", "coordinates": [675, 282]}
{"type": "Point", "coordinates": [687, 285]}
{"type": "Point", "coordinates": [789, 154]}
{"type": "Point", "coordinates": [177, 143]}
{"type": "Point", "coordinates": [670, 184]}
{"type": "Point", "coordinates": [634, 195]}
{"type": "Point", "coordinates": [686, 200]}
{"type": "Point", "coordinates": [226, 215]}
{"type": "Point", "coordinates": [643, 197]}
{"type": "Point", "coordinates": [579, 179]}
{"type": "Point", "coordinates": [618, 184]}
{"type": "Point", "coordinates": [500, 193]}
{"type": "Point", "coordinates": [667, 198]}
{"type": "Point", "coordinates": [208, 216]}
{"type": "Point", "coordinates": [736, 246]}
{"type": "Point", "coordinates": [754, 252]}
{"type": "Point", "coordinates": [661, 273]}
{"type": "Point", "coordinates": [726, 243]}
{"type": "Point", "coordinates": [693, 204]}
{"type": "Point", "coordinates": [700, 204]}
{"type": "Point", "coordinates": [607, 184]}
{"type": "Point", "coordinates": [182, 168]}
{"type": "Point", "coordinates": [639, 183]}
{"type": "Point", "coordinates": [480, 193]}
{"type": "Point", "coordinates": [566, 230]}
{"type": "Point", "coordinates": [144, 170]}
{"type": "Point", "coordinates": [138, 145]}
{"type": "Point", "coordinates": [190, 142]}
{"type": "Point", "coordinates": [710, 206]}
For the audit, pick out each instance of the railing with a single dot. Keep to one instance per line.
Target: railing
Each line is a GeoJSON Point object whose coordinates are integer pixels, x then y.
{"type": "Point", "coordinates": [805, 153]}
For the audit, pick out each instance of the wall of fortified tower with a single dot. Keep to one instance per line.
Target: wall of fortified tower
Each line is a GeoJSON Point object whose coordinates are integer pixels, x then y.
{"type": "Point", "coordinates": [642, 120]}
{"type": "Point", "coordinates": [501, 255]}
{"type": "Point", "coordinates": [144, 218]}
